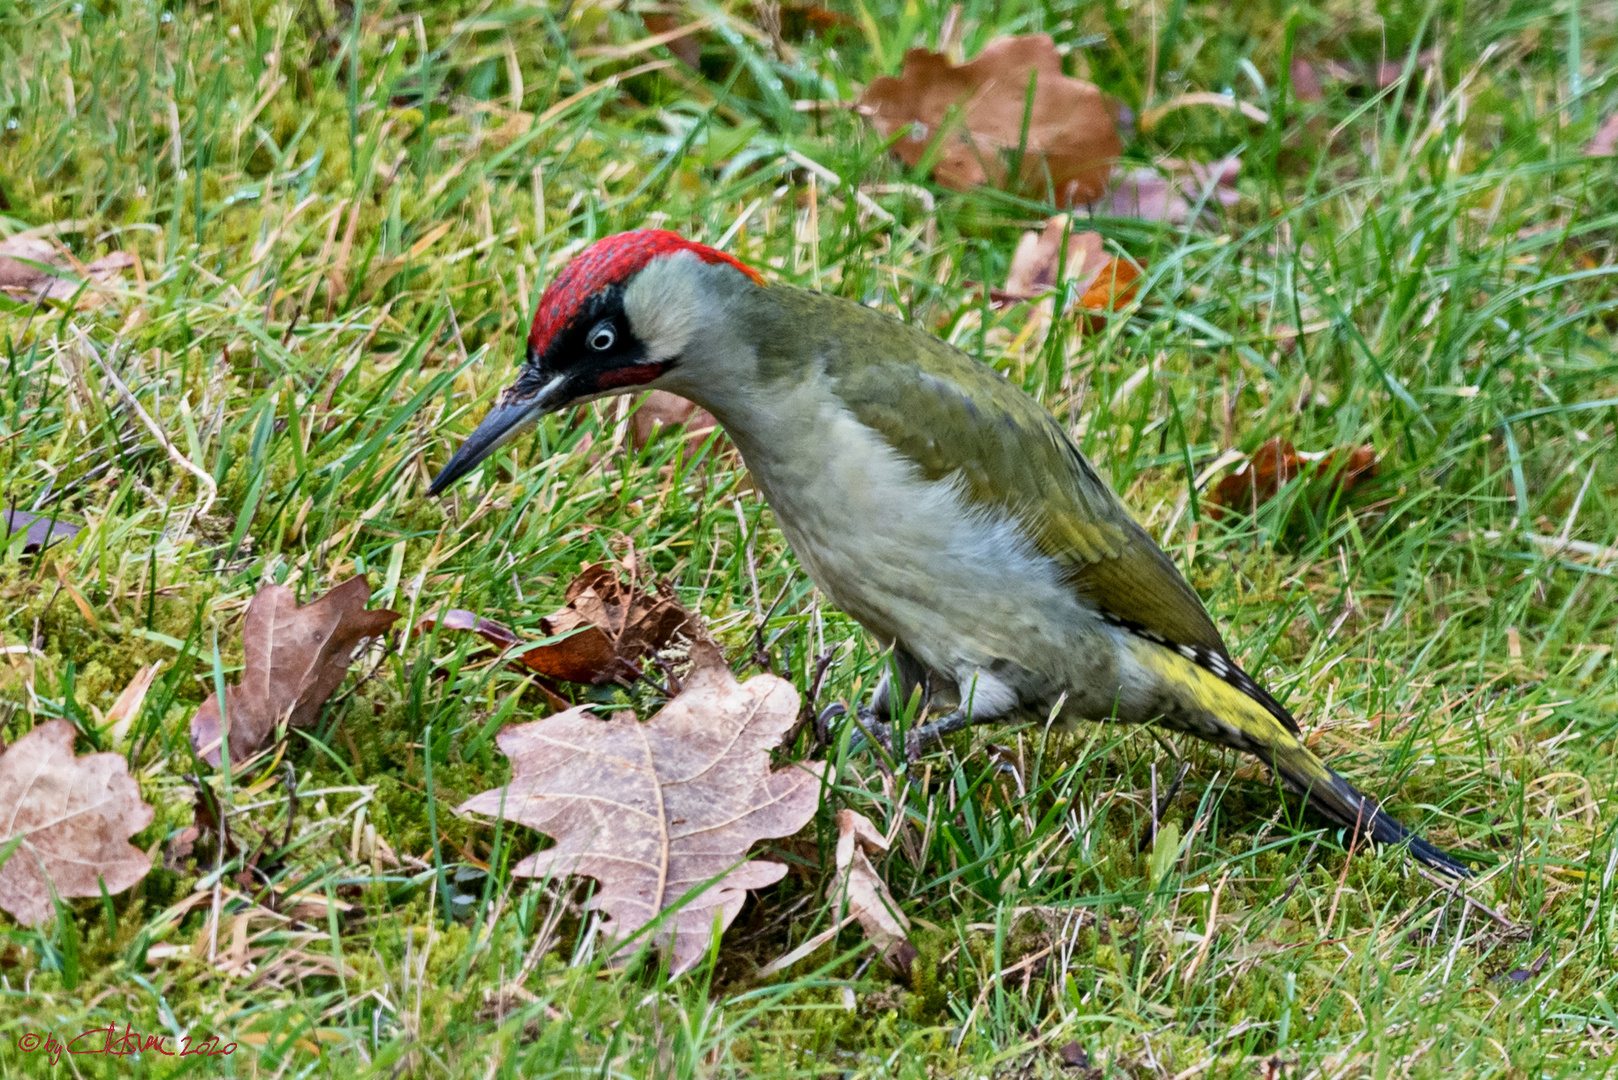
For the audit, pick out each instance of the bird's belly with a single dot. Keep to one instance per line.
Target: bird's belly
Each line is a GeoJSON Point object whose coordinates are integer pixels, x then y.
{"type": "Point", "coordinates": [964, 590]}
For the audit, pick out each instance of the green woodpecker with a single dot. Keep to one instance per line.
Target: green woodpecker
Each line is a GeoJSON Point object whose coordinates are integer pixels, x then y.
{"type": "Point", "coordinates": [935, 502]}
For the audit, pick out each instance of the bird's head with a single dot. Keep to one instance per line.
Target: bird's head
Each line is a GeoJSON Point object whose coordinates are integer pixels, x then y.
{"type": "Point", "coordinates": [616, 319]}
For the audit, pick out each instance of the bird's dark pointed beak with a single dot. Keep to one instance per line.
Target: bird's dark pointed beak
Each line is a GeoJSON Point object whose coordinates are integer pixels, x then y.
{"type": "Point", "coordinates": [512, 415]}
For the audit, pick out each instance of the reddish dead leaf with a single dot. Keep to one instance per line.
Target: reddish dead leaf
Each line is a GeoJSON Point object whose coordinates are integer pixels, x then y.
{"type": "Point", "coordinates": [681, 42]}
{"type": "Point", "coordinates": [657, 809]}
{"type": "Point", "coordinates": [1306, 82]}
{"type": "Point", "coordinates": [856, 886]}
{"type": "Point", "coordinates": [1605, 143]}
{"type": "Point", "coordinates": [1277, 462]}
{"type": "Point", "coordinates": [295, 657]}
{"type": "Point", "coordinates": [24, 275]}
{"type": "Point", "coordinates": [1104, 283]}
{"type": "Point", "coordinates": [1172, 192]}
{"type": "Point", "coordinates": [1113, 287]}
{"type": "Point", "coordinates": [1071, 139]}
{"type": "Point", "coordinates": [72, 818]}
{"type": "Point", "coordinates": [609, 627]}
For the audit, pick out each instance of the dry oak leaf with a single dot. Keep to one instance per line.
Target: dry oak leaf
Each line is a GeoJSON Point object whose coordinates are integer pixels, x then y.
{"type": "Point", "coordinates": [858, 888]}
{"type": "Point", "coordinates": [658, 809]}
{"type": "Point", "coordinates": [23, 273]}
{"type": "Point", "coordinates": [1104, 282]}
{"type": "Point", "coordinates": [1071, 140]}
{"type": "Point", "coordinates": [295, 657]}
{"type": "Point", "coordinates": [72, 818]}
{"type": "Point", "coordinates": [1277, 462]}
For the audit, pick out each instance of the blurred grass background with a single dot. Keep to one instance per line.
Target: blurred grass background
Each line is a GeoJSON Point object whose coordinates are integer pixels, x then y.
{"type": "Point", "coordinates": [344, 216]}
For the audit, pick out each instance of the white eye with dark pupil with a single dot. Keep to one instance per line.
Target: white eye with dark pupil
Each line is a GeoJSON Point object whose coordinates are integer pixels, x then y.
{"type": "Point", "coordinates": [602, 337]}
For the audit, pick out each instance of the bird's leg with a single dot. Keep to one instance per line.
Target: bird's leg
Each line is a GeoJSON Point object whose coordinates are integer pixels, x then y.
{"type": "Point", "coordinates": [916, 739]}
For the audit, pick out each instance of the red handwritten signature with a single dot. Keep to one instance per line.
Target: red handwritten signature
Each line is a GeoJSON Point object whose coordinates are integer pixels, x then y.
{"type": "Point", "coordinates": [109, 1040]}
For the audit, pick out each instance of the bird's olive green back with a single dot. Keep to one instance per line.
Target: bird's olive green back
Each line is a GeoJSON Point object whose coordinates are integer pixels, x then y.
{"type": "Point", "coordinates": [955, 417]}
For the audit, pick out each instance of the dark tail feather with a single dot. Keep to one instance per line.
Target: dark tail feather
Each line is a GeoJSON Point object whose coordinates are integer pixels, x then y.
{"type": "Point", "coordinates": [1329, 793]}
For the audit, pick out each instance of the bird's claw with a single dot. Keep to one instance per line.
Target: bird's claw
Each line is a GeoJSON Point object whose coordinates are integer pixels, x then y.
{"type": "Point", "coordinates": [871, 729]}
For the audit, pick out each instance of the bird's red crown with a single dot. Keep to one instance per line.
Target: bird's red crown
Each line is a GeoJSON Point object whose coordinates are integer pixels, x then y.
{"type": "Point", "coordinates": [609, 261]}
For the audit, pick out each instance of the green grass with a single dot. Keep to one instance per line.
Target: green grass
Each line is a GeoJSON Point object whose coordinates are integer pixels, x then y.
{"type": "Point", "coordinates": [344, 217]}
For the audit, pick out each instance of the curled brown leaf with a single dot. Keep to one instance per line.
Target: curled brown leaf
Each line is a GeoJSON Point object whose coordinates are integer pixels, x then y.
{"type": "Point", "coordinates": [606, 628]}
{"type": "Point", "coordinates": [1277, 463]}
{"type": "Point", "coordinates": [857, 887]}
{"type": "Point", "coordinates": [1102, 282]}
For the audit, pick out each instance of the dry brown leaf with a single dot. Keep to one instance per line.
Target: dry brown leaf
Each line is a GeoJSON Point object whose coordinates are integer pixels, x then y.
{"type": "Point", "coordinates": [610, 626]}
{"type": "Point", "coordinates": [1033, 266]}
{"type": "Point", "coordinates": [856, 886]}
{"type": "Point", "coordinates": [1174, 190]}
{"type": "Point", "coordinates": [682, 43]}
{"type": "Point", "coordinates": [1605, 142]}
{"type": "Point", "coordinates": [1277, 462]}
{"type": "Point", "coordinates": [619, 623]}
{"type": "Point", "coordinates": [127, 706]}
{"type": "Point", "coordinates": [1103, 282]}
{"type": "Point", "coordinates": [661, 409]}
{"type": "Point", "coordinates": [23, 275]}
{"type": "Point", "coordinates": [295, 657]}
{"type": "Point", "coordinates": [72, 817]}
{"type": "Point", "coordinates": [1071, 140]}
{"type": "Point", "coordinates": [654, 810]}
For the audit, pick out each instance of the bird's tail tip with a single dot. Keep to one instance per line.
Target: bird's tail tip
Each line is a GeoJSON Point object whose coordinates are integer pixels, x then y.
{"type": "Point", "coordinates": [1341, 801]}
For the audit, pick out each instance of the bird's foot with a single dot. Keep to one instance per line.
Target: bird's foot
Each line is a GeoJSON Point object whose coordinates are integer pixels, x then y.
{"type": "Point", "coordinates": [873, 730]}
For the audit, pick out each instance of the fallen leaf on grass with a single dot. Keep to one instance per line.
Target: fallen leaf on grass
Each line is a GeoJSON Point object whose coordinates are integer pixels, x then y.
{"type": "Point", "coordinates": [661, 409]}
{"type": "Point", "coordinates": [127, 707]}
{"type": "Point", "coordinates": [1070, 139]}
{"type": "Point", "coordinates": [250, 939]}
{"type": "Point", "coordinates": [682, 42]}
{"type": "Point", "coordinates": [71, 817]}
{"type": "Point", "coordinates": [606, 628]}
{"type": "Point", "coordinates": [295, 658]}
{"type": "Point", "coordinates": [858, 888]}
{"type": "Point", "coordinates": [24, 275]}
{"type": "Point", "coordinates": [1103, 282]}
{"type": "Point", "coordinates": [658, 809]}
{"type": "Point", "coordinates": [42, 531]}
{"type": "Point", "coordinates": [1174, 190]}
{"type": "Point", "coordinates": [1605, 142]}
{"type": "Point", "coordinates": [1310, 77]}
{"type": "Point", "coordinates": [1277, 462]}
